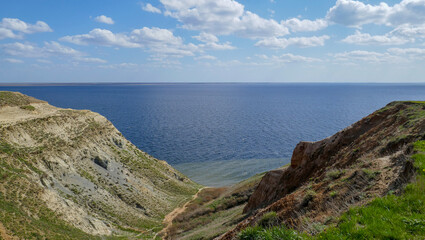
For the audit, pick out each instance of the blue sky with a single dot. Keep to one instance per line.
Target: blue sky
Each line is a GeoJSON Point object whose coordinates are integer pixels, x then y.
{"type": "Point", "coordinates": [212, 41]}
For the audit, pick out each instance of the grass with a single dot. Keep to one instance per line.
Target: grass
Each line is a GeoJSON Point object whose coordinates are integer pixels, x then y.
{"type": "Point", "coordinates": [334, 174]}
{"type": "Point", "coordinates": [28, 107]}
{"type": "Point", "coordinates": [15, 99]}
{"type": "Point", "coordinates": [259, 233]}
{"type": "Point", "coordinates": [269, 219]}
{"type": "Point", "coordinates": [389, 217]}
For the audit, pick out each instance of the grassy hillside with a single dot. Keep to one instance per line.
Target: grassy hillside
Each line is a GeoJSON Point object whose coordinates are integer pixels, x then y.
{"type": "Point", "coordinates": [390, 217]}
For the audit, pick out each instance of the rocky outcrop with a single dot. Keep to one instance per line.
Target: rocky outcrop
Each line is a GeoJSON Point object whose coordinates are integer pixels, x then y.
{"type": "Point", "coordinates": [366, 160]}
{"type": "Point", "coordinates": [77, 167]}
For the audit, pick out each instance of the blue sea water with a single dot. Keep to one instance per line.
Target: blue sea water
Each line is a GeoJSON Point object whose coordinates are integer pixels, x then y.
{"type": "Point", "coordinates": [219, 134]}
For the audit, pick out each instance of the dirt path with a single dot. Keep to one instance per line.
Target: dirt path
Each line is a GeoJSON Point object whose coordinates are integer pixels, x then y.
{"type": "Point", "coordinates": [168, 220]}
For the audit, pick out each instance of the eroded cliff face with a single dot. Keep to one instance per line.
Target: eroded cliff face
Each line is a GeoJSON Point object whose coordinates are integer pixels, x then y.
{"type": "Point", "coordinates": [73, 168]}
{"type": "Point", "coordinates": [364, 161]}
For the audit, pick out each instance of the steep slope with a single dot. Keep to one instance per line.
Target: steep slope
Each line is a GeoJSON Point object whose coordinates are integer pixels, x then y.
{"type": "Point", "coordinates": [369, 159]}
{"type": "Point", "coordinates": [212, 212]}
{"type": "Point", "coordinates": [70, 174]}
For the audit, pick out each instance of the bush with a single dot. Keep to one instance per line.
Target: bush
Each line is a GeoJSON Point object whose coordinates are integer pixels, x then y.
{"type": "Point", "coordinates": [268, 220]}
{"type": "Point", "coordinates": [334, 174]}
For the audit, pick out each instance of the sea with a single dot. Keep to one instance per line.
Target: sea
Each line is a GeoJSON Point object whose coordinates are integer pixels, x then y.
{"type": "Point", "coordinates": [221, 133]}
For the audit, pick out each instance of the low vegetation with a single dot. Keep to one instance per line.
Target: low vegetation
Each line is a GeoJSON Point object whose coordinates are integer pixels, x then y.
{"type": "Point", "coordinates": [214, 211]}
{"type": "Point", "coordinates": [28, 107]}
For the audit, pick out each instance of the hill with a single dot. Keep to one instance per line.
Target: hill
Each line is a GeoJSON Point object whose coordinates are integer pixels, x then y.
{"type": "Point", "coordinates": [70, 174]}
{"type": "Point", "coordinates": [358, 171]}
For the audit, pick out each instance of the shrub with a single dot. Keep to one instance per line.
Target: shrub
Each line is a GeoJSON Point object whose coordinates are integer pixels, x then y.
{"type": "Point", "coordinates": [309, 195]}
{"type": "Point", "coordinates": [334, 174]}
{"type": "Point", "coordinates": [268, 220]}
{"type": "Point", "coordinates": [333, 194]}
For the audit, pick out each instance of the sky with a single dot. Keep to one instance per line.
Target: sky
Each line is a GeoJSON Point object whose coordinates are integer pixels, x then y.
{"type": "Point", "coordinates": [62, 41]}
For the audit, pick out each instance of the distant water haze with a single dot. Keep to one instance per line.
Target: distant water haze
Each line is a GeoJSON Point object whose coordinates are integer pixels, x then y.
{"type": "Point", "coordinates": [219, 134]}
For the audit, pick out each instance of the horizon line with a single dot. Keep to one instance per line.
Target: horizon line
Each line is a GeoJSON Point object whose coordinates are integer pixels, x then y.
{"type": "Point", "coordinates": [23, 84]}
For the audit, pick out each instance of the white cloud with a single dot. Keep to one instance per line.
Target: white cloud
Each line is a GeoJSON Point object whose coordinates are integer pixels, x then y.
{"type": "Point", "coordinates": [392, 56]}
{"type": "Point", "coordinates": [305, 25]}
{"type": "Point", "coordinates": [50, 49]}
{"type": "Point", "coordinates": [211, 42]}
{"type": "Point", "coordinates": [7, 33]}
{"type": "Point", "coordinates": [282, 43]}
{"type": "Point", "coordinates": [407, 11]}
{"type": "Point", "coordinates": [355, 13]}
{"type": "Point", "coordinates": [206, 37]}
{"type": "Point", "coordinates": [222, 17]}
{"type": "Point", "coordinates": [15, 28]}
{"type": "Point", "coordinates": [90, 60]}
{"type": "Point", "coordinates": [103, 37]}
{"type": "Point", "coordinates": [149, 8]}
{"type": "Point", "coordinates": [366, 56]}
{"type": "Point", "coordinates": [291, 58]}
{"type": "Point", "coordinates": [410, 53]}
{"type": "Point", "coordinates": [205, 57]}
{"type": "Point", "coordinates": [104, 19]}
{"type": "Point", "coordinates": [15, 24]}
{"type": "Point", "coordinates": [162, 42]}
{"type": "Point", "coordinates": [407, 30]}
{"type": "Point", "coordinates": [13, 60]}
{"type": "Point", "coordinates": [367, 39]}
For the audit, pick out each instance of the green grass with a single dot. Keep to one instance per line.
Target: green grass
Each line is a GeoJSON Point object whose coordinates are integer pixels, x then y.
{"type": "Point", "coordinates": [28, 107]}
{"type": "Point", "coordinates": [259, 233]}
{"type": "Point", "coordinates": [389, 217]}
{"type": "Point", "coordinates": [334, 174]}
{"type": "Point", "coordinates": [268, 219]}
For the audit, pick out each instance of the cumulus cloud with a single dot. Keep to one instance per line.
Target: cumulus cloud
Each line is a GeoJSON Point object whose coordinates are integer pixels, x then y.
{"type": "Point", "coordinates": [409, 31]}
{"type": "Point", "coordinates": [210, 41]}
{"type": "Point", "coordinates": [222, 17]}
{"type": "Point", "coordinates": [50, 49]}
{"type": "Point", "coordinates": [99, 36]}
{"type": "Point", "coordinates": [7, 33]}
{"type": "Point", "coordinates": [104, 19]}
{"type": "Point", "coordinates": [367, 39]}
{"type": "Point", "coordinates": [15, 28]}
{"type": "Point", "coordinates": [355, 13]}
{"type": "Point", "coordinates": [149, 8]}
{"type": "Point", "coordinates": [305, 25]}
{"type": "Point", "coordinates": [282, 43]}
{"type": "Point", "coordinates": [158, 40]}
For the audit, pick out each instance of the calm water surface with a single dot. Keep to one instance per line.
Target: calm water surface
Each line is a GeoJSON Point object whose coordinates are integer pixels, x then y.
{"type": "Point", "coordinates": [219, 134]}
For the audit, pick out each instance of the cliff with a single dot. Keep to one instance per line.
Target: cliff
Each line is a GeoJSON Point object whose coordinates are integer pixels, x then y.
{"type": "Point", "coordinates": [367, 160]}
{"type": "Point", "coordinates": [70, 174]}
